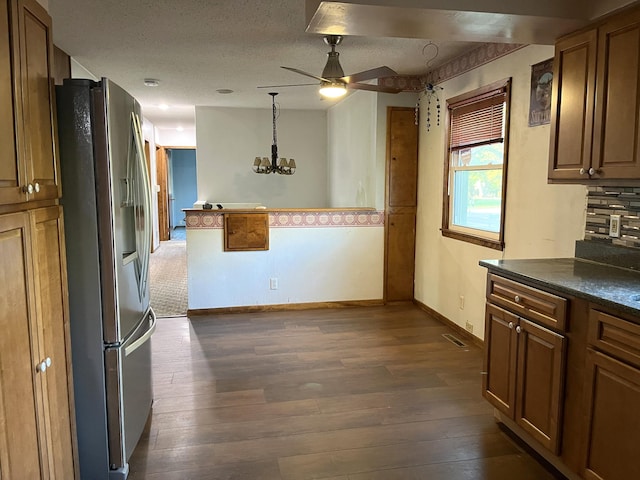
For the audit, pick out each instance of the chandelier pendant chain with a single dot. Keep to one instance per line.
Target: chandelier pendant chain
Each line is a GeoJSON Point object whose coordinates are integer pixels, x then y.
{"type": "Point", "coordinates": [281, 166]}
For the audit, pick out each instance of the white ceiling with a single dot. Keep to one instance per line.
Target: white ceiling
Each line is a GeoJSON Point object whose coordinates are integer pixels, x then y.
{"type": "Point", "coordinates": [195, 47]}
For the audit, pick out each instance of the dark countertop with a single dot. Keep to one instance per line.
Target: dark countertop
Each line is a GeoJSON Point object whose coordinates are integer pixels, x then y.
{"type": "Point", "coordinates": [607, 285]}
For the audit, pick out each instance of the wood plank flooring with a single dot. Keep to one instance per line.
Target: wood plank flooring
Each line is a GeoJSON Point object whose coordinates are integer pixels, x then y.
{"type": "Point", "coordinates": [372, 393]}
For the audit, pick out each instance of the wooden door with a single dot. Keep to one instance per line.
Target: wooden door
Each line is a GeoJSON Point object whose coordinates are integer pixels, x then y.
{"type": "Point", "coordinates": [12, 175]}
{"type": "Point", "coordinates": [541, 360]}
{"type": "Point", "coordinates": [37, 100]}
{"type": "Point", "coordinates": [572, 107]}
{"type": "Point", "coordinates": [500, 359]}
{"type": "Point", "coordinates": [401, 202]}
{"type": "Point", "coordinates": [616, 152]}
{"type": "Point", "coordinates": [53, 317]}
{"type": "Point", "coordinates": [613, 419]}
{"type": "Point", "coordinates": [19, 441]}
{"type": "Point", "coordinates": [163, 195]}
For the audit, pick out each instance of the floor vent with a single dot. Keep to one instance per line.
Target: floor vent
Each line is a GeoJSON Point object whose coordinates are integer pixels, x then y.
{"type": "Point", "coordinates": [453, 339]}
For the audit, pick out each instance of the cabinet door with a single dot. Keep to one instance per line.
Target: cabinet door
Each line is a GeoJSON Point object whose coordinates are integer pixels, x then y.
{"type": "Point", "coordinates": [401, 201]}
{"type": "Point", "coordinates": [36, 49]}
{"type": "Point", "coordinates": [541, 359]}
{"type": "Point", "coordinates": [617, 113]}
{"type": "Point", "coordinates": [12, 174]}
{"type": "Point", "coordinates": [53, 317]}
{"type": "Point", "coordinates": [500, 354]}
{"type": "Point", "coordinates": [400, 261]}
{"type": "Point", "coordinates": [402, 152]}
{"type": "Point", "coordinates": [19, 440]}
{"type": "Point", "coordinates": [613, 435]}
{"type": "Point", "coordinates": [574, 79]}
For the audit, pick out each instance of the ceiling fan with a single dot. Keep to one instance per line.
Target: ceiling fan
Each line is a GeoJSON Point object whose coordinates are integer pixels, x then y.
{"type": "Point", "coordinates": [334, 83]}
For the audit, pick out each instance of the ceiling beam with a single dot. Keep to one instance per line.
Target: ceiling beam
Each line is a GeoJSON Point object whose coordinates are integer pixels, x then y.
{"type": "Point", "coordinates": [497, 21]}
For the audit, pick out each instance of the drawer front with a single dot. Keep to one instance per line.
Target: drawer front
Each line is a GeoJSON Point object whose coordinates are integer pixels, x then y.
{"type": "Point", "coordinates": [546, 308]}
{"type": "Point", "coordinates": [615, 336]}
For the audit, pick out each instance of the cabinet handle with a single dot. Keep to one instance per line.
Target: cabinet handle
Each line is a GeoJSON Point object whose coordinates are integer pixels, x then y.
{"type": "Point", "coordinates": [41, 367]}
{"type": "Point", "coordinates": [47, 361]}
{"type": "Point", "coordinates": [28, 189]}
{"type": "Point", "coordinates": [517, 299]}
{"type": "Point", "coordinates": [518, 329]}
{"type": "Point", "coordinates": [592, 171]}
{"type": "Point", "coordinates": [511, 325]}
{"type": "Point", "coordinates": [582, 171]}
{"type": "Point", "coordinates": [36, 187]}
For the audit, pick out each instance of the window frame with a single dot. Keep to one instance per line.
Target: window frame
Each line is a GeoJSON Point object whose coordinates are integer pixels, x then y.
{"type": "Point", "coordinates": [490, 240]}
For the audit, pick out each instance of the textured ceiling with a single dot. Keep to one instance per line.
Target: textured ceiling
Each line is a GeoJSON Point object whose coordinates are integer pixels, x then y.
{"type": "Point", "coordinates": [195, 47]}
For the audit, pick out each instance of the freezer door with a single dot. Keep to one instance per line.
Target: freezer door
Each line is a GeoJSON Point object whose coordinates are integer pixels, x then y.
{"type": "Point", "coordinates": [124, 210]}
{"type": "Point", "coordinates": [129, 392]}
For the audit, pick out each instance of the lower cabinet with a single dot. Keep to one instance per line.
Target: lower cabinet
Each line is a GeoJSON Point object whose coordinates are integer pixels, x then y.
{"type": "Point", "coordinates": [36, 404]}
{"type": "Point", "coordinates": [524, 365]}
{"type": "Point", "coordinates": [612, 399]}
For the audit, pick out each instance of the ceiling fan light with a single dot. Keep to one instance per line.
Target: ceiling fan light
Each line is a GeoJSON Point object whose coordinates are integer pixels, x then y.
{"type": "Point", "coordinates": [333, 90]}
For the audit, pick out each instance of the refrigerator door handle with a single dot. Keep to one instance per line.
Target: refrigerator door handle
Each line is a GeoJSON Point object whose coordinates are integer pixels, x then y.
{"type": "Point", "coordinates": [146, 207]}
{"type": "Point", "coordinates": [129, 349]}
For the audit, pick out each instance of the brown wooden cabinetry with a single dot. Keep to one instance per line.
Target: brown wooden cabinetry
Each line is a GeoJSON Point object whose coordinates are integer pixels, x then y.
{"type": "Point", "coordinates": [612, 397]}
{"type": "Point", "coordinates": [401, 203]}
{"type": "Point", "coordinates": [28, 160]}
{"type": "Point", "coordinates": [37, 428]}
{"type": "Point", "coordinates": [524, 366]}
{"type": "Point", "coordinates": [595, 120]}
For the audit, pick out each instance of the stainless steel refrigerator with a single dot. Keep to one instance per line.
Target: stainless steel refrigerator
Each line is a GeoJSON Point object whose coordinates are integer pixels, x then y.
{"type": "Point", "coordinates": [107, 204]}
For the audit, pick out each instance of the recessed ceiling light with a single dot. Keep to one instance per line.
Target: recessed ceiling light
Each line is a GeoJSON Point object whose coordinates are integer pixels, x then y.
{"type": "Point", "coordinates": [163, 106]}
{"type": "Point", "coordinates": [151, 82]}
{"type": "Point", "coordinates": [224, 91]}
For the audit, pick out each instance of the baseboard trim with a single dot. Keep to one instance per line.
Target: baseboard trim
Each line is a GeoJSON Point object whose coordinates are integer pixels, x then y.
{"type": "Point", "coordinates": [454, 326]}
{"type": "Point", "coordinates": [285, 306]}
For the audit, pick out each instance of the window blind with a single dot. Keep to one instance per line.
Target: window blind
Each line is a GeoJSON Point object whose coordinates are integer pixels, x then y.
{"type": "Point", "coordinates": [477, 121]}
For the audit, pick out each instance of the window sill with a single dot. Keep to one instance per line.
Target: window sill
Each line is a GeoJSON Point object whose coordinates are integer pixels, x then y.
{"type": "Point", "coordinates": [464, 237]}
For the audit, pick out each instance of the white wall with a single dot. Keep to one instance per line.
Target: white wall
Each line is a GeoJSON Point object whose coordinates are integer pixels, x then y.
{"type": "Point", "coordinates": [311, 265]}
{"type": "Point", "coordinates": [357, 137]}
{"type": "Point", "coordinates": [170, 137]}
{"type": "Point", "coordinates": [541, 220]}
{"type": "Point", "coordinates": [229, 139]}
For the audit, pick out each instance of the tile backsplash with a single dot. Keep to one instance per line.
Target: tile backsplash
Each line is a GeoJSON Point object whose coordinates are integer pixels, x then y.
{"type": "Point", "coordinates": [602, 202]}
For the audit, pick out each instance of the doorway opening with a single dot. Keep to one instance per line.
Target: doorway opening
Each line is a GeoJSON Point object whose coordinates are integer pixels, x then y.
{"type": "Point", "coordinates": [177, 190]}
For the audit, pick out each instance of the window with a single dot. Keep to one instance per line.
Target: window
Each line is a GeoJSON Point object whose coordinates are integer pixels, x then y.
{"type": "Point", "coordinates": [476, 165]}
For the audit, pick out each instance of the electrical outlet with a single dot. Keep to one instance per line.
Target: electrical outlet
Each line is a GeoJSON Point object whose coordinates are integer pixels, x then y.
{"type": "Point", "coordinates": [273, 283]}
{"type": "Point", "coordinates": [469, 327]}
{"type": "Point", "coordinates": [461, 305]}
{"type": "Point", "coordinates": [614, 226]}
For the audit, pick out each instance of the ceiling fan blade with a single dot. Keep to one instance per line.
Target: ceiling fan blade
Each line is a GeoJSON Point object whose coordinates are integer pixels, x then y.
{"type": "Point", "coordinates": [379, 72]}
{"type": "Point", "coordinates": [373, 88]}
{"type": "Point", "coordinates": [301, 72]}
{"type": "Point", "coordinates": [293, 85]}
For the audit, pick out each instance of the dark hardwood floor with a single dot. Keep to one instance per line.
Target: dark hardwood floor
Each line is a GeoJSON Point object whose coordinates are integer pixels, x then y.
{"type": "Point", "coordinates": [370, 393]}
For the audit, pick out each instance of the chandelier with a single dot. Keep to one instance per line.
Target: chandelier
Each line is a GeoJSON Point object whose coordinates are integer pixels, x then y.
{"type": "Point", "coordinates": [275, 165]}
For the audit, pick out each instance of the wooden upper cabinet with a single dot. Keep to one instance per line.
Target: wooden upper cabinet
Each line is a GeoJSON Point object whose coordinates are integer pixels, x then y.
{"type": "Point", "coordinates": [12, 174]}
{"type": "Point", "coordinates": [616, 153]}
{"type": "Point", "coordinates": [28, 165]}
{"type": "Point", "coordinates": [572, 107]}
{"type": "Point", "coordinates": [595, 112]}
{"type": "Point", "coordinates": [402, 148]}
